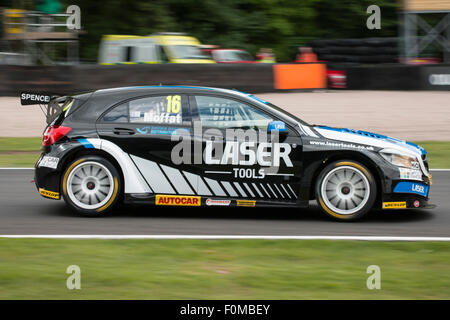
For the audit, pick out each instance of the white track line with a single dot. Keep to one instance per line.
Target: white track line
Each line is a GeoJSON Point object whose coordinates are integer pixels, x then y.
{"type": "Point", "coordinates": [33, 169]}
{"type": "Point", "coordinates": [225, 237]}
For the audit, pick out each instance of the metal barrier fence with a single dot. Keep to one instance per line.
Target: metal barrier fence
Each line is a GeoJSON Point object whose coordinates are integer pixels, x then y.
{"type": "Point", "coordinates": [244, 77]}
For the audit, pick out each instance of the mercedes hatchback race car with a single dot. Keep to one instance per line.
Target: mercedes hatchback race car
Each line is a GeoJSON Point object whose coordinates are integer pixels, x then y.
{"type": "Point", "coordinates": [198, 146]}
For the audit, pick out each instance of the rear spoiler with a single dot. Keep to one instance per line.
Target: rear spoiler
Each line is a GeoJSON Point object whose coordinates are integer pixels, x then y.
{"type": "Point", "coordinates": [51, 105]}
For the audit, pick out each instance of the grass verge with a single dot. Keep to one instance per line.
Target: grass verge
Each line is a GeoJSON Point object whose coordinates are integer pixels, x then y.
{"type": "Point", "coordinates": [438, 153]}
{"type": "Point", "coordinates": [23, 152]}
{"type": "Point", "coordinates": [19, 152]}
{"type": "Point", "coordinates": [223, 269]}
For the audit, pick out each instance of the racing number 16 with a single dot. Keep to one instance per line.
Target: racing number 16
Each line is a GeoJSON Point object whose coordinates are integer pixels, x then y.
{"type": "Point", "coordinates": [173, 104]}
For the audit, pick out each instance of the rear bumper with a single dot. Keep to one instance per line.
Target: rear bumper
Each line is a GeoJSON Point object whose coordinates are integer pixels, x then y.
{"type": "Point", "coordinates": [47, 181]}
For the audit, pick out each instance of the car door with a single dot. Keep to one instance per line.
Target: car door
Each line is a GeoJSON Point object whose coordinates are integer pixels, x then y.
{"type": "Point", "coordinates": [143, 128]}
{"type": "Point", "coordinates": [241, 159]}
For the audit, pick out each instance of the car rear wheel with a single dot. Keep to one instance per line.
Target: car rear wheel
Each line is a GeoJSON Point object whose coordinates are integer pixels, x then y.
{"type": "Point", "coordinates": [346, 190]}
{"type": "Point", "coordinates": [91, 185]}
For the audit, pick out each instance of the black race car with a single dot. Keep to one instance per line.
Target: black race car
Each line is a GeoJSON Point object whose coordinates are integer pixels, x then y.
{"type": "Point", "coordinates": [198, 146]}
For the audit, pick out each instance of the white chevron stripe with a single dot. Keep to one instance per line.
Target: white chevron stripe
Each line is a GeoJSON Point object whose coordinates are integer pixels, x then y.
{"type": "Point", "coordinates": [265, 190]}
{"type": "Point", "coordinates": [276, 196]}
{"type": "Point", "coordinates": [279, 190]}
{"type": "Point", "coordinates": [177, 180]}
{"type": "Point", "coordinates": [202, 187]}
{"type": "Point", "coordinates": [215, 187]}
{"type": "Point", "coordinates": [257, 190]}
{"type": "Point", "coordinates": [249, 190]}
{"type": "Point", "coordinates": [229, 189]}
{"type": "Point", "coordinates": [154, 176]}
{"type": "Point", "coordinates": [197, 183]}
{"type": "Point", "coordinates": [289, 186]}
{"type": "Point", "coordinates": [242, 192]}
{"type": "Point", "coordinates": [285, 191]}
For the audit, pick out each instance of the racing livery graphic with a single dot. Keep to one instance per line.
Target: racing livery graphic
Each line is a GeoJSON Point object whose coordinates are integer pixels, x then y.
{"type": "Point", "coordinates": [198, 146]}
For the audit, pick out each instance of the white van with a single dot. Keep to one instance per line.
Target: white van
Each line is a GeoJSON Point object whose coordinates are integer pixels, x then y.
{"type": "Point", "coordinates": [127, 49]}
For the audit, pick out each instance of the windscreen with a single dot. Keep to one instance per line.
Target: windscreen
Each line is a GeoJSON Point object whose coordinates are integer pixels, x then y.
{"type": "Point", "coordinates": [234, 55]}
{"type": "Point", "coordinates": [186, 52]}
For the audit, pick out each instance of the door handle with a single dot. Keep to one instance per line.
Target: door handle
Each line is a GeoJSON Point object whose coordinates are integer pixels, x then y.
{"type": "Point", "coordinates": [214, 137]}
{"type": "Point", "coordinates": [123, 131]}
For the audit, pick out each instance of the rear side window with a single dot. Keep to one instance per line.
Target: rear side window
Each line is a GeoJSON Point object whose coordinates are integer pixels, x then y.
{"type": "Point", "coordinates": [161, 109]}
{"type": "Point", "coordinates": [118, 114]}
{"type": "Point", "coordinates": [167, 109]}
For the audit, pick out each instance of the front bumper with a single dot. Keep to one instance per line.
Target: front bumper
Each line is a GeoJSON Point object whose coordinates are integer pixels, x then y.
{"type": "Point", "coordinates": [408, 194]}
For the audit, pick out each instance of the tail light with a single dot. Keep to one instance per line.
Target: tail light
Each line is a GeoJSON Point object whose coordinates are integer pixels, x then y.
{"type": "Point", "coordinates": [53, 134]}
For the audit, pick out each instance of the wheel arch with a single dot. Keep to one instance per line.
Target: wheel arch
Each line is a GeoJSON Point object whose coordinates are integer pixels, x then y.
{"type": "Point", "coordinates": [355, 156]}
{"type": "Point", "coordinates": [81, 151]}
{"type": "Point", "coordinates": [131, 178]}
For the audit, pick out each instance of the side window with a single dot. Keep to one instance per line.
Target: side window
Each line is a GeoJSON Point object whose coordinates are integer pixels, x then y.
{"type": "Point", "coordinates": [230, 114]}
{"type": "Point", "coordinates": [128, 54]}
{"type": "Point", "coordinates": [118, 114]}
{"type": "Point", "coordinates": [161, 109]}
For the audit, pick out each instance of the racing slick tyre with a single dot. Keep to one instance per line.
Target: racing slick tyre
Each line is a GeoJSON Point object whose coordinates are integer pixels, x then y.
{"type": "Point", "coordinates": [346, 190]}
{"type": "Point", "coordinates": [91, 185]}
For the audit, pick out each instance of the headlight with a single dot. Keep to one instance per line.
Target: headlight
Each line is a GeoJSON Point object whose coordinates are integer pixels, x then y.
{"type": "Point", "coordinates": [401, 160]}
{"type": "Point", "coordinates": [409, 166]}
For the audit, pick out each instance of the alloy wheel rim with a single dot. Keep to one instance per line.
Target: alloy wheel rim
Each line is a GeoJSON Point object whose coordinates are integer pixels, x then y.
{"type": "Point", "coordinates": [90, 185]}
{"type": "Point", "coordinates": [345, 190]}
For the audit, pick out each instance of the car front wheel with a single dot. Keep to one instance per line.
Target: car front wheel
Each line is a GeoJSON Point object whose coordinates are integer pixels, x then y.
{"type": "Point", "coordinates": [91, 185]}
{"type": "Point", "coordinates": [346, 190]}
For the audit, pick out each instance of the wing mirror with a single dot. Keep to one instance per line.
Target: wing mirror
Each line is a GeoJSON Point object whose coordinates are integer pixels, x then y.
{"type": "Point", "coordinates": [278, 126]}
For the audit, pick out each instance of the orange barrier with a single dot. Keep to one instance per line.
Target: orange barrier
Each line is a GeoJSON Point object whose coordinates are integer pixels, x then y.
{"type": "Point", "coordinates": [300, 76]}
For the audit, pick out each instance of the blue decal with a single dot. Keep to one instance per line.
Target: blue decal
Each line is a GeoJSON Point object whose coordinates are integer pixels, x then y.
{"type": "Point", "coordinates": [86, 143]}
{"type": "Point", "coordinates": [378, 136]}
{"type": "Point", "coordinates": [163, 130]}
{"type": "Point", "coordinates": [143, 130]}
{"type": "Point", "coordinates": [411, 187]}
{"type": "Point", "coordinates": [279, 126]}
{"type": "Point", "coordinates": [160, 130]}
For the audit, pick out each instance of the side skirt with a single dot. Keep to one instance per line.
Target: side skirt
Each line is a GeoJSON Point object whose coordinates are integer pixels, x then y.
{"type": "Point", "coordinates": [203, 201]}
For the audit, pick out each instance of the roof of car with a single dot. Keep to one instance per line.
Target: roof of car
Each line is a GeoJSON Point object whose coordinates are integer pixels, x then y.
{"type": "Point", "coordinates": [100, 100]}
{"type": "Point", "coordinates": [149, 89]}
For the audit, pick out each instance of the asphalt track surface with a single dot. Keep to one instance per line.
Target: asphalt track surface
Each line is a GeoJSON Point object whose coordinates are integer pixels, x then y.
{"type": "Point", "coordinates": [24, 212]}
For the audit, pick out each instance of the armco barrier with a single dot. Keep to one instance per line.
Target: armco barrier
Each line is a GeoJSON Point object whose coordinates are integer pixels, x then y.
{"type": "Point", "coordinates": [245, 77]}
{"type": "Point", "coordinates": [253, 78]}
{"type": "Point", "coordinates": [399, 77]}
{"type": "Point", "coordinates": [14, 79]}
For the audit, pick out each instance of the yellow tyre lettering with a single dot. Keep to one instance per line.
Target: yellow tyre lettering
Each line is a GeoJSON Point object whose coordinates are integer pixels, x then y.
{"type": "Point", "coordinates": [66, 176]}
{"type": "Point", "coordinates": [111, 200]}
{"type": "Point", "coordinates": [352, 164]}
{"type": "Point", "coordinates": [334, 214]}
